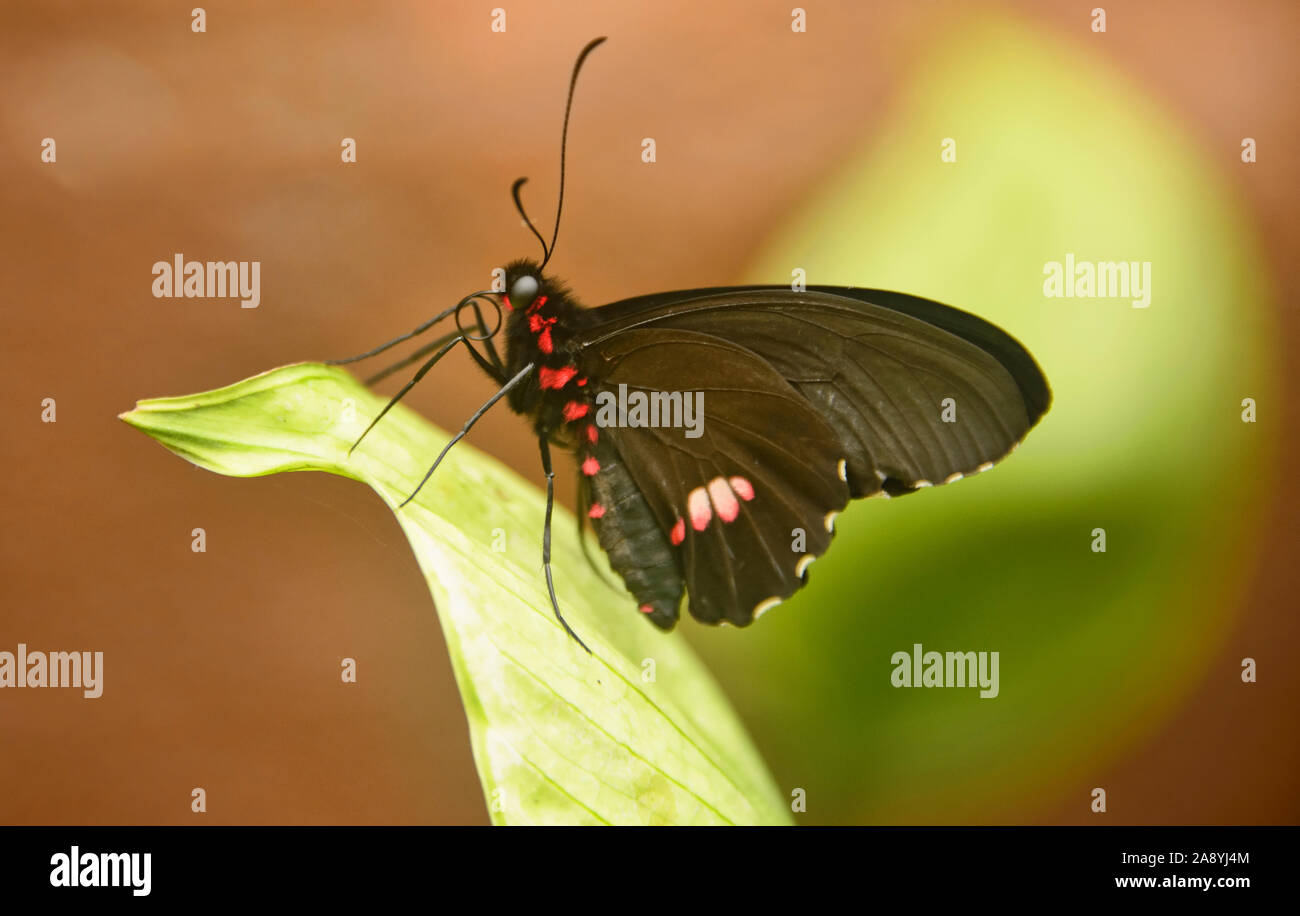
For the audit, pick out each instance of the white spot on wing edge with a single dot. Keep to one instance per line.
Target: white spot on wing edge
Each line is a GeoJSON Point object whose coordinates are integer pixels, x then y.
{"type": "Point", "coordinates": [843, 470]}
{"type": "Point", "coordinates": [984, 467]}
{"type": "Point", "coordinates": [954, 477]}
{"type": "Point", "coordinates": [765, 605]}
{"type": "Point", "coordinates": [830, 521]}
{"type": "Point", "coordinates": [921, 484]}
{"type": "Point", "coordinates": [804, 562]}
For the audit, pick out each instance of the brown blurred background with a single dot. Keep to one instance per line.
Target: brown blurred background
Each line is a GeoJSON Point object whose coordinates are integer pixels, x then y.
{"type": "Point", "coordinates": [222, 667]}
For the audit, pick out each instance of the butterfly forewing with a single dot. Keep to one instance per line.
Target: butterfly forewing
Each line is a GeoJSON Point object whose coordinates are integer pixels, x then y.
{"type": "Point", "coordinates": [918, 392]}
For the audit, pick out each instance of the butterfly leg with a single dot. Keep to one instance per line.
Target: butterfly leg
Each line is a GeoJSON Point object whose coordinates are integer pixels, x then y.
{"type": "Point", "coordinates": [486, 338]}
{"type": "Point", "coordinates": [407, 387]}
{"type": "Point", "coordinates": [546, 539]}
{"type": "Point", "coordinates": [469, 424]}
{"type": "Point", "coordinates": [407, 360]}
{"type": "Point", "coordinates": [395, 341]}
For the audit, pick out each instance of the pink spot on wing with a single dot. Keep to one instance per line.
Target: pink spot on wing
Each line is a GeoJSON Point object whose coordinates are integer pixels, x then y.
{"type": "Point", "coordinates": [646, 609]}
{"type": "Point", "coordinates": [742, 488]}
{"type": "Point", "coordinates": [556, 378]}
{"type": "Point", "coordinates": [590, 467]}
{"type": "Point", "coordinates": [596, 511]}
{"type": "Point", "coordinates": [575, 410]}
{"type": "Point", "coordinates": [592, 434]}
{"type": "Point", "coordinates": [679, 532]}
{"type": "Point", "coordinates": [724, 501]}
{"type": "Point", "coordinates": [697, 505]}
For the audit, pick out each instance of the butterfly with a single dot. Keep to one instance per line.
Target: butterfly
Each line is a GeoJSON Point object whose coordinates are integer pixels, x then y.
{"type": "Point", "coordinates": [719, 431]}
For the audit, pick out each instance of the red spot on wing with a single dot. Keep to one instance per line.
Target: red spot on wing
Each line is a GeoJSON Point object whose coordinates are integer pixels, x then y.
{"type": "Point", "coordinates": [537, 304]}
{"type": "Point", "coordinates": [582, 381]}
{"type": "Point", "coordinates": [590, 467]}
{"type": "Point", "coordinates": [679, 532]}
{"type": "Point", "coordinates": [557, 378]}
{"type": "Point", "coordinates": [742, 488]}
{"type": "Point", "coordinates": [575, 410]}
{"type": "Point", "coordinates": [646, 609]}
{"type": "Point", "coordinates": [697, 505]}
{"type": "Point", "coordinates": [592, 434]}
{"type": "Point", "coordinates": [596, 511]}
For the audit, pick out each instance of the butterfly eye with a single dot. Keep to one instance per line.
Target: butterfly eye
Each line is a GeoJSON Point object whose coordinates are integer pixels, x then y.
{"type": "Point", "coordinates": [523, 291]}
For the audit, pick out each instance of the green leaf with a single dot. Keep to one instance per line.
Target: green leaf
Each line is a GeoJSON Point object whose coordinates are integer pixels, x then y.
{"type": "Point", "coordinates": [559, 736]}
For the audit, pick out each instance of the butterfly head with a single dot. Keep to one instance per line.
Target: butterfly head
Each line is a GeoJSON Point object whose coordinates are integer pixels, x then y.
{"type": "Point", "coordinates": [541, 315]}
{"type": "Point", "coordinates": [524, 287]}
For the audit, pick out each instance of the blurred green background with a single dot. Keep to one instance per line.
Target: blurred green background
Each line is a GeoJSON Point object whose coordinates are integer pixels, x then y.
{"type": "Point", "coordinates": [775, 150]}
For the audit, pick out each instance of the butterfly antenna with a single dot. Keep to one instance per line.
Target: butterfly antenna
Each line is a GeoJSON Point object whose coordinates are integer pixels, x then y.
{"type": "Point", "coordinates": [519, 205]}
{"type": "Point", "coordinates": [564, 135]}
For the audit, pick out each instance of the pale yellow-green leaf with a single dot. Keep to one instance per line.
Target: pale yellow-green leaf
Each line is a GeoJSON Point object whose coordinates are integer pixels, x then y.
{"type": "Point", "coordinates": [559, 736]}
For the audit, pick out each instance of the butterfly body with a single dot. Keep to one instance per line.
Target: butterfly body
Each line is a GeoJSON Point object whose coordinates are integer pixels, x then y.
{"type": "Point", "coordinates": [541, 324]}
{"type": "Point", "coordinates": [543, 328]}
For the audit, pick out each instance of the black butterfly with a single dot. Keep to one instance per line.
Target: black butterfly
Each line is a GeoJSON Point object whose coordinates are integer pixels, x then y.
{"type": "Point", "coordinates": [810, 398]}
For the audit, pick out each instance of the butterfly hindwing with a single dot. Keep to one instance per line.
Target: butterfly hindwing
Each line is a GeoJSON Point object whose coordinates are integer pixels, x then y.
{"type": "Point", "coordinates": [749, 500]}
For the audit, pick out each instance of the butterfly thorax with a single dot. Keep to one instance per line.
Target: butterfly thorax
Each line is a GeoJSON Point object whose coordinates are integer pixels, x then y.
{"type": "Point", "coordinates": [542, 323]}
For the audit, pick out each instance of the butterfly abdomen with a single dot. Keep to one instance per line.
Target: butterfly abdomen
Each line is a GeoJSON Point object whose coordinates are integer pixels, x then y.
{"type": "Point", "coordinates": [631, 537]}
